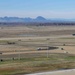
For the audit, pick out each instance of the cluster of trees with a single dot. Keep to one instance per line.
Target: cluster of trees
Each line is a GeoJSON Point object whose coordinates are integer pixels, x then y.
{"type": "Point", "coordinates": [36, 24]}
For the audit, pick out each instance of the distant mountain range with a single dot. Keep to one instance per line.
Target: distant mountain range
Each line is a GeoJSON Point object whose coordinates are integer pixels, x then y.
{"type": "Point", "coordinates": [37, 19]}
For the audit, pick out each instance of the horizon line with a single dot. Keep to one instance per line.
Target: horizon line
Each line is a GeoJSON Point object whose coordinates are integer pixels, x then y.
{"type": "Point", "coordinates": [35, 17]}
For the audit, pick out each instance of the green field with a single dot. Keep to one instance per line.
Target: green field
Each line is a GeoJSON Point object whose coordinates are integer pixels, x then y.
{"type": "Point", "coordinates": [38, 64]}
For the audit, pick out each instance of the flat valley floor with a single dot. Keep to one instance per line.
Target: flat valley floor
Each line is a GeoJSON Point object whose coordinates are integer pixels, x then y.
{"type": "Point", "coordinates": [36, 43]}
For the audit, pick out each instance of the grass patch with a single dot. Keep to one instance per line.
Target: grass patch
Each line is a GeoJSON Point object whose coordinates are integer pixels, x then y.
{"type": "Point", "coordinates": [70, 58]}
{"type": "Point", "coordinates": [67, 38]}
{"type": "Point", "coordinates": [31, 65]}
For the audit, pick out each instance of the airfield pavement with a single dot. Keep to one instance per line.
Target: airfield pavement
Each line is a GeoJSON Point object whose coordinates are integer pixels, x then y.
{"type": "Point", "coordinates": [63, 72]}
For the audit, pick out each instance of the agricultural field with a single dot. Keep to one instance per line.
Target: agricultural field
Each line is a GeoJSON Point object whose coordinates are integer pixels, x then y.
{"type": "Point", "coordinates": [29, 49]}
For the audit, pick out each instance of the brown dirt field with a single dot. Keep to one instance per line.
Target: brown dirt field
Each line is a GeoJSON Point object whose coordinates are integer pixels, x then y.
{"type": "Point", "coordinates": [18, 31]}
{"type": "Point", "coordinates": [26, 42]}
{"type": "Point", "coordinates": [33, 37]}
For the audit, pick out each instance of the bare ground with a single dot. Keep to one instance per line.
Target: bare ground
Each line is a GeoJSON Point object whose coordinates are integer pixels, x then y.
{"type": "Point", "coordinates": [28, 39]}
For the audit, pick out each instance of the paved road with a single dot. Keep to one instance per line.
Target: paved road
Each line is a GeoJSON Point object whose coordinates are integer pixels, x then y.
{"type": "Point", "coordinates": [63, 72]}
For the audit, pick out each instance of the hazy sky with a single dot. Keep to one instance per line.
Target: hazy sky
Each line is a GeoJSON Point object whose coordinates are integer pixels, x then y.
{"type": "Point", "coordinates": [34, 8]}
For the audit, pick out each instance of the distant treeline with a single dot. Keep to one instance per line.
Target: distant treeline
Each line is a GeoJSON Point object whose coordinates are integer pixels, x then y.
{"type": "Point", "coordinates": [35, 24]}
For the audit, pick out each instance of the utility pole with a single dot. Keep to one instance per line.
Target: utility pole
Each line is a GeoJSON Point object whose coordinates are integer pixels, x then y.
{"type": "Point", "coordinates": [19, 55]}
{"type": "Point", "coordinates": [47, 53]}
{"type": "Point", "coordinates": [48, 48]}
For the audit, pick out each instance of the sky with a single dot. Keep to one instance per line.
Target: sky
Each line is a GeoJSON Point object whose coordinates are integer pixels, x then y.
{"type": "Point", "coordinates": [34, 8]}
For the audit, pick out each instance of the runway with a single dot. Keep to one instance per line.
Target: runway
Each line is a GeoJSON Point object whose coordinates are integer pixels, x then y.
{"type": "Point", "coordinates": [60, 72]}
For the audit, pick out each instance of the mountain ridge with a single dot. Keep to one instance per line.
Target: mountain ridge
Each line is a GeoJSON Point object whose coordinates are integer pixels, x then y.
{"type": "Point", "coordinates": [37, 19]}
